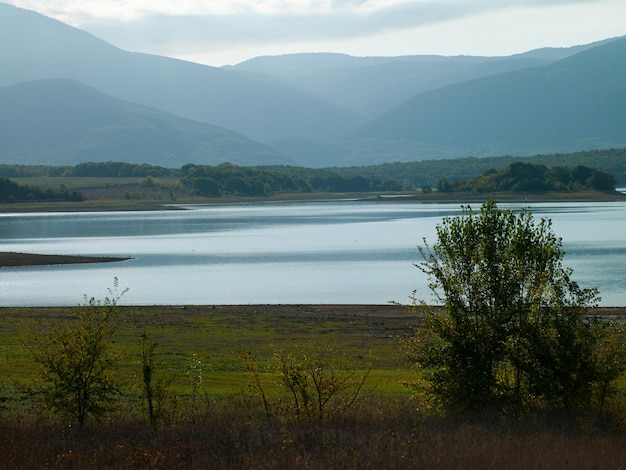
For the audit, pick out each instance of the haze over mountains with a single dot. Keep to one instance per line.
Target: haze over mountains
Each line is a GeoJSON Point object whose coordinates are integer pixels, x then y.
{"type": "Point", "coordinates": [63, 122]}
{"type": "Point", "coordinates": [572, 103]}
{"type": "Point", "coordinates": [33, 47]}
{"type": "Point", "coordinates": [375, 85]}
{"type": "Point", "coordinates": [311, 109]}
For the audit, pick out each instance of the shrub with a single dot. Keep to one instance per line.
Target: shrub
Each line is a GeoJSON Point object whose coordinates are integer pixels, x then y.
{"type": "Point", "coordinates": [76, 363]}
{"type": "Point", "coordinates": [513, 331]}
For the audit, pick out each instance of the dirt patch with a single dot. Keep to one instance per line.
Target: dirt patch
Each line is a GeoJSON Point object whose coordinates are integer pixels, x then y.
{"type": "Point", "coordinates": [388, 312]}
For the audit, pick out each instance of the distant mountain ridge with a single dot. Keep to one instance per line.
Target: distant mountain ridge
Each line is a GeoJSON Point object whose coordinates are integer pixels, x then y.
{"type": "Point", "coordinates": [262, 108]}
{"type": "Point", "coordinates": [63, 122]}
{"type": "Point", "coordinates": [573, 104]}
{"type": "Point", "coordinates": [314, 110]}
{"type": "Point", "coordinates": [577, 102]}
{"type": "Point", "coordinates": [375, 85]}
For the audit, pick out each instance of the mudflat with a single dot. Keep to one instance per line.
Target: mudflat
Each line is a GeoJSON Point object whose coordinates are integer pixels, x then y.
{"type": "Point", "coordinates": [10, 259]}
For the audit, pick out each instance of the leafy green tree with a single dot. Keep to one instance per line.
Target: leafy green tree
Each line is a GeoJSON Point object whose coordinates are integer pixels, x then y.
{"type": "Point", "coordinates": [205, 186]}
{"type": "Point", "coordinates": [513, 331]}
{"type": "Point", "coordinates": [76, 377]}
{"type": "Point", "coordinates": [443, 185]}
{"type": "Point", "coordinates": [601, 181]}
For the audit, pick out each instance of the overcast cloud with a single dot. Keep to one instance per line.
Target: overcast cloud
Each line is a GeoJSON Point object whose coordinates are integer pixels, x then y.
{"type": "Point", "coordinates": [218, 31]}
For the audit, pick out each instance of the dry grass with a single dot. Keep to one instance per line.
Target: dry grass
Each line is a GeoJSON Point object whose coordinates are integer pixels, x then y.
{"type": "Point", "coordinates": [383, 433]}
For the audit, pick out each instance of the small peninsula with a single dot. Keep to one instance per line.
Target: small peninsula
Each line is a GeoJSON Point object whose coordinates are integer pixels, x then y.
{"type": "Point", "coordinates": [12, 259]}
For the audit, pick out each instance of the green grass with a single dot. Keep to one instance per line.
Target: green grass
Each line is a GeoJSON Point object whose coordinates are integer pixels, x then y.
{"type": "Point", "coordinates": [362, 337]}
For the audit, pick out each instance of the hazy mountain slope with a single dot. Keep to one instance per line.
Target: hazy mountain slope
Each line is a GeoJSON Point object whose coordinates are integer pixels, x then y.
{"type": "Point", "coordinates": [33, 46]}
{"type": "Point", "coordinates": [63, 122]}
{"type": "Point", "coordinates": [375, 89]}
{"type": "Point", "coordinates": [375, 85]}
{"type": "Point", "coordinates": [574, 104]}
{"type": "Point", "coordinates": [298, 65]}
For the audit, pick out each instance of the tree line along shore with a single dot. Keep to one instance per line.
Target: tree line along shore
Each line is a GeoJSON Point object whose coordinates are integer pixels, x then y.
{"type": "Point", "coordinates": [103, 182]}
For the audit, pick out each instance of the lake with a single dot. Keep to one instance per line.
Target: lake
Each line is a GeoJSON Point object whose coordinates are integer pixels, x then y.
{"type": "Point", "coordinates": [343, 252]}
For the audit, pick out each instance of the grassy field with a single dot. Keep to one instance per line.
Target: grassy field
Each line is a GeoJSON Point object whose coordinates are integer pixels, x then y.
{"type": "Point", "coordinates": [227, 427]}
{"type": "Point", "coordinates": [365, 336]}
{"type": "Point", "coordinates": [362, 336]}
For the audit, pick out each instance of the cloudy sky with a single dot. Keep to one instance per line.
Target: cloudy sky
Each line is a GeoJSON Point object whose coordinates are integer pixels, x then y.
{"type": "Point", "coordinates": [218, 32]}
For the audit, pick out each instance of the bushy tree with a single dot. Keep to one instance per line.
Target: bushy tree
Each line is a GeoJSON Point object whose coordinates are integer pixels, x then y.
{"type": "Point", "coordinates": [513, 331]}
{"type": "Point", "coordinates": [76, 377]}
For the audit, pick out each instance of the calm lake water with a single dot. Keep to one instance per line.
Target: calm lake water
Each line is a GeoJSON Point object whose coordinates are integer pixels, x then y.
{"type": "Point", "coordinates": [290, 253]}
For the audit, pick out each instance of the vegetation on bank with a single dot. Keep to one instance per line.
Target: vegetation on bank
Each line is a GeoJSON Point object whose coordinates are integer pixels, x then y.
{"type": "Point", "coordinates": [124, 181]}
{"type": "Point", "coordinates": [526, 177]}
{"type": "Point", "coordinates": [10, 191]}
{"type": "Point", "coordinates": [428, 172]}
{"type": "Point", "coordinates": [390, 434]}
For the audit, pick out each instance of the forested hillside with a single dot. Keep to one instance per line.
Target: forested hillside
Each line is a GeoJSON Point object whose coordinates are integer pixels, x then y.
{"type": "Point", "coordinates": [375, 85]}
{"type": "Point", "coordinates": [429, 172]}
{"type": "Point", "coordinates": [34, 47]}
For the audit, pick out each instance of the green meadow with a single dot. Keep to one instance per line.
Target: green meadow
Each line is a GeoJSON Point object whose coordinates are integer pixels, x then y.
{"type": "Point", "coordinates": [362, 337]}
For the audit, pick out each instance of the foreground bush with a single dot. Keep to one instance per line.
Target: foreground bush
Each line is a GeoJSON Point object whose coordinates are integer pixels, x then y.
{"type": "Point", "coordinates": [317, 385]}
{"type": "Point", "coordinates": [76, 365]}
{"type": "Point", "coordinates": [514, 332]}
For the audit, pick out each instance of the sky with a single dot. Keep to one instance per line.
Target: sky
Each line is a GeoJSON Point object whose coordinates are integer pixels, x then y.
{"type": "Point", "coordinates": [220, 32]}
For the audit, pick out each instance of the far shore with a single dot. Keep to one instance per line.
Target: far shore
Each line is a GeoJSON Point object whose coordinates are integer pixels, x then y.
{"type": "Point", "coordinates": [114, 205]}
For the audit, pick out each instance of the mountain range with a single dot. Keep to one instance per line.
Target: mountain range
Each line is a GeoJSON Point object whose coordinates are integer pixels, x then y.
{"type": "Point", "coordinates": [263, 108]}
{"type": "Point", "coordinates": [375, 85]}
{"type": "Point", "coordinates": [63, 122]}
{"type": "Point", "coordinates": [68, 96]}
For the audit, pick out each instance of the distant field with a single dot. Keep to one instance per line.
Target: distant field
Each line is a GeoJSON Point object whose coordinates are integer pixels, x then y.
{"type": "Point", "coordinates": [361, 335]}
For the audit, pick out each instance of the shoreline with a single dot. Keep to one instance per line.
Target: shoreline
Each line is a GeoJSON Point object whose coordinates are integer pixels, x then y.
{"type": "Point", "coordinates": [286, 311]}
{"type": "Point", "coordinates": [116, 205]}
